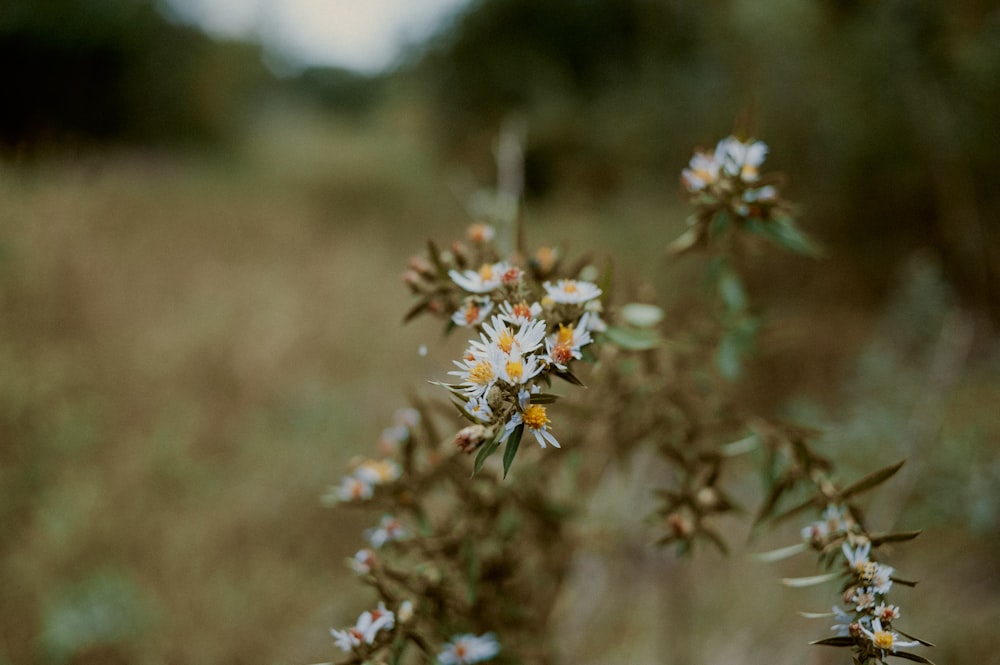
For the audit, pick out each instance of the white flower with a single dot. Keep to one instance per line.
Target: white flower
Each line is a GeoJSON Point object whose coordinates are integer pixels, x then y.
{"type": "Point", "coordinates": [564, 345]}
{"type": "Point", "coordinates": [370, 623]}
{"type": "Point", "coordinates": [857, 559]}
{"type": "Point", "coordinates": [486, 279]}
{"type": "Point", "coordinates": [881, 580]}
{"type": "Point", "coordinates": [740, 159]}
{"type": "Point", "coordinates": [479, 408]}
{"type": "Point", "coordinates": [405, 612]}
{"type": "Point", "coordinates": [378, 472]}
{"type": "Point", "coordinates": [362, 562]}
{"type": "Point", "coordinates": [479, 370]}
{"type": "Point", "coordinates": [392, 438]}
{"type": "Point", "coordinates": [571, 291]}
{"type": "Point", "coordinates": [863, 599]}
{"type": "Point", "coordinates": [346, 639]}
{"type": "Point", "coordinates": [473, 312]}
{"type": "Point", "coordinates": [536, 421]}
{"type": "Point", "coordinates": [702, 171]}
{"type": "Point", "coordinates": [885, 640]}
{"type": "Point", "coordinates": [518, 370]}
{"type": "Point", "coordinates": [848, 626]}
{"type": "Point", "coordinates": [468, 648]}
{"type": "Point", "coordinates": [480, 233]}
{"type": "Point", "coordinates": [352, 488]}
{"type": "Point", "coordinates": [389, 529]}
{"type": "Point", "coordinates": [765, 193]}
{"type": "Point", "coordinates": [406, 417]}
{"type": "Point", "coordinates": [519, 314]}
{"type": "Point", "coordinates": [887, 613]}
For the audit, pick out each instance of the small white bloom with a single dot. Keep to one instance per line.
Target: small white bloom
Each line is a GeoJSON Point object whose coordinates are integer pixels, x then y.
{"type": "Point", "coordinates": [479, 408]}
{"type": "Point", "coordinates": [405, 612]}
{"type": "Point", "coordinates": [480, 233]}
{"type": "Point", "coordinates": [863, 599]}
{"type": "Point", "coordinates": [765, 193]}
{"type": "Point", "coordinates": [536, 421]}
{"type": "Point", "coordinates": [473, 312]}
{"type": "Point", "coordinates": [389, 529]}
{"type": "Point", "coordinates": [882, 579]}
{"type": "Point", "coordinates": [353, 488]}
{"type": "Point", "coordinates": [565, 344]}
{"type": "Point", "coordinates": [887, 613]}
{"type": "Point", "coordinates": [571, 291]}
{"type": "Point", "coordinates": [849, 625]}
{"type": "Point", "coordinates": [469, 648]}
{"type": "Point", "coordinates": [519, 314]}
{"type": "Point", "coordinates": [488, 278]}
{"type": "Point", "coordinates": [392, 438]}
{"type": "Point", "coordinates": [885, 640]}
{"type": "Point", "coordinates": [370, 623]}
{"type": "Point", "coordinates": [346, 639]}
{"type": "Point", "coordinates": [856, 558]}
{"type": "Point", "coordinates": [702, 171]}
{"type": "Point", "coordinates": [479, 370]}
{"type": "Point", "coordinates": [362, 562]}
{"type": "Point", "coordinates": [740, 159]}
{"type": "Point", "coordinates": [407, 417]}
{"type": "Point", "coordinates": [518, 370]}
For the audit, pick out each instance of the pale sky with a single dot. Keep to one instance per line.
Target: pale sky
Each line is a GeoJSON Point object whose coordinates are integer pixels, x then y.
{"type": "Point", "coordinates": [360, 34]}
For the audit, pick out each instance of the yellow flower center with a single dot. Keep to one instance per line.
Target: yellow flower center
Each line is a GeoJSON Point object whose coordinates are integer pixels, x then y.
{"type": "Point", "coordinates": [535, 417]}
{"type": "Point", "coordinates": [522, 311]}
{"type": "Point", "coordinates": [515, 370]}
{"type": "Point", "coordinates": [865, 570]}
{"type": "Point", "coordinates": [703, 175]}
{"type": "Point", "coordinates": [505, 340]}
{"type": "Point", "coordinates": [748, 172]}
{"type": "Point", "coordinates": [569, 286]}
{"type": "Point", "coordinates": [471, 313]}
{"type": "Point", "coordinates": [481, 373]}
{"type": "Point", "coordinates": [486, 272]}
{"type": "Point", "coordinates": [565, 335]}
{"type": "Point", "coordinates": [883, 639]}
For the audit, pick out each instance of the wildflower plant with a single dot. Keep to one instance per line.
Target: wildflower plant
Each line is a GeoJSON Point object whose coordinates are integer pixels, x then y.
{"type": "Point", "coordinates": [467, 551]}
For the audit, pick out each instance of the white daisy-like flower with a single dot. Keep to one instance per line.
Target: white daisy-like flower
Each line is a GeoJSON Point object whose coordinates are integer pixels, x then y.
{"type": "Point", "coordinates": [352, 488]}
{"type": "Point", "coordinates": [389, 530]}
{"type": "Point", "coordinates": [479, 370]}
{"type": "Point", "coordinates": [468, 648]}
{"type": "Point", "coordinates": [740, 159]}
{"type": "Point", "coordinates": [863, 599]}
{"type": "Point", "coordinates": [591, 320]}
{"type": "Point", "coordinates": [488, 278]}
{"type": "Point", "coordinates": [536, 421]}
{"type": "Point", "coordinates": [473, 312]}
{"type": "Point", "coordinates": [885, 640]}
{"type": "Point", "coordinates": [571, 291]}
{"type": "Point", "coordinates": [757, 194]}
{"type": "Point", "coordinates": [517, 369]}
{"type": "Point", "coordinates": [887, 613]}
{"type": "Point", "coordinates": [362, 562]}
{"type": "Point", "coordinates": [882, 579]}
{"type": "Point", "coordinates": [836, 518]}
{"type": "Point", "coordinates": [497, 333]}
{"type": "Point", "coordinates": [378, 472]}
{"type": "Point", "coordinates": [392, 438]}
{"type": "Point", "coordinates": [565, 344]}
{"type": "Point", "coordinates": [519, 314]}
{"type": "Point", "coordinates": [857, 558]}
{"type": "Point", "coordinates": [370, 623]}
{"type": "Point", "coordinates": [346, 639]}
{"type": "Point", "coordinates": [702, 171]}
{"type": "Point", "coordinates": [479, 408]}
{"type": "Point", "coordinates": [849, 625]}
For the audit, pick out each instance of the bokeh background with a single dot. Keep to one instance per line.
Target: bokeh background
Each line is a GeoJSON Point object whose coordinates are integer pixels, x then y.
{"type": "Point", "coordinates": [201, 240]}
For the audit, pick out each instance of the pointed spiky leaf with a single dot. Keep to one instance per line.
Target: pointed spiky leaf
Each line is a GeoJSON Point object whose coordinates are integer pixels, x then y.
{"type": "Point", "coordinates": [845, 641]}
{"type": "Point", "coordinates": [813, 580]}
{"type": "Point", "coordinates": [911, 656]}
{"type": "Point", "coordinates": [898, 537]}
{"type": "Point", "coordinates": [488, 449]}
{"type": "Point", "coordinates": [780, 553]}
{"type": "Point", "coordinates": [513, 441]}
{"type": "Point", "coordinates": [873, 479]}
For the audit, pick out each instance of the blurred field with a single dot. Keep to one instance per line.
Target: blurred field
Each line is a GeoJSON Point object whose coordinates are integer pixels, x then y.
{"type": "Point", "coordinates": [193, 345]}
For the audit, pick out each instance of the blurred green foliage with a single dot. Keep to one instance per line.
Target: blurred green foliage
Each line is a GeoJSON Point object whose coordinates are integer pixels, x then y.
{"type": "Point", "coordinates": [884, 111]}
{"type": "Point", "coordinates": [88, 71]}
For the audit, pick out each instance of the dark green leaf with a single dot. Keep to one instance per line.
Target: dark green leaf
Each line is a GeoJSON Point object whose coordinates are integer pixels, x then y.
{"type": "Point", "coordinates": [902, 536]}
{"type": "Point", "coordinates": [731, 290]}
{"type": "Point", "coordinates": [719, 224]}
{"type": "Point", "coordinates": [416, 310]}
{"type": "Point", "coordinates": [435, 256]}
{"type": "Point", "coordinates": [488, 449]}
{"type": "Point", "coordinates": [871, 480]}
{"type": "Point", "coordinates": [567, 375]}
{"type": "Point", "coordinates": [911, 656]}
{"type": "Point", "coordinates": [513, 441]}
{"type": "Point", "coordinates": [543, 398]}
{"type": "Point", "coordinates": [783, 232]}
{"type": "Point", "coordinates": [845, 641]}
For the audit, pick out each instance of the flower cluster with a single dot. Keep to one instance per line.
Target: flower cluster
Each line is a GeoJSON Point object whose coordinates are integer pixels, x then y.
{"type": "Point", "coordinates": [729, 192]}
{"type": "Point", "coordinates": [363, 635]}
{"type": "Point", "coordinates": [867, 623]}
{"type": "Point", "coordinates": [365, 474]}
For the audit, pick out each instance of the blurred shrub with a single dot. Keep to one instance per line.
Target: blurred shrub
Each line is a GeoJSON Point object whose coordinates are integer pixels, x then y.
{"type": "Point", "coordinates": [102, 70]}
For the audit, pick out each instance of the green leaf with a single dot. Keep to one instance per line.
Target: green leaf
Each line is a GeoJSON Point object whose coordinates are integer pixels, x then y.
{"type": "Point", "coordinates": [728, 357]}
{"type": "Point", "coordinates": [813, 580]}
{"type": "Point", "coordinates": [513, 441]}
{"type": "Point", "coordinates": [641, 315]}
{"type": "Point", "coordinates": [685, 242]}
{"type": "Point", "coordinates": [911, 656]}
{"type": "Point", "coordinates": [488, 449]}
{"type": "Point", "coordinates": [745, 445]}
{"type": "Point", "coordinates": [780, 553]}
{"type": "Point", "coordinates": [783, 232]}
{"type": "Point", "coordinates": [873, 479]}
{"type": "Point", "coordinates": [633, 339]}
{"type": "Point", "coordinates": [899, 537]}
{"type": "Point", "coordinates": [543, 398]}
{"type": "Point", "coordinates": [435, 256]}
{"type": "Point", "coordinates": [731, 290]}
{"type": "Point", "coordinates": [845, 641]}
{"type": "Point", "coordinates": [567, 375]}
{"type": "Point", "coordinates": [911, 637]}
{"type": "Point", "coordinates": [719, 224]}
{"type": "Point", "coordinates": [416, 310]}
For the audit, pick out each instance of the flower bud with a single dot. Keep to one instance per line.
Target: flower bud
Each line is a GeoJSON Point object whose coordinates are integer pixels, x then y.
{"type": "Point", "coordinates": [470, 438]}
